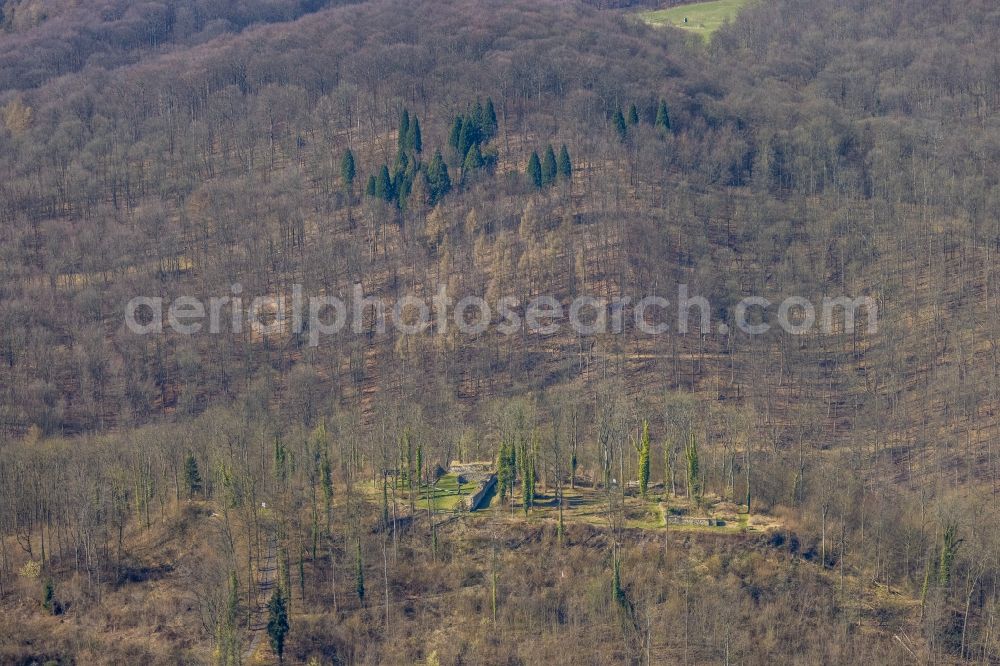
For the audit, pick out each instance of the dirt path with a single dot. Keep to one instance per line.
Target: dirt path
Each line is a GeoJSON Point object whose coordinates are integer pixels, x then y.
{"type": "Point", "coordinates": [266, 577]}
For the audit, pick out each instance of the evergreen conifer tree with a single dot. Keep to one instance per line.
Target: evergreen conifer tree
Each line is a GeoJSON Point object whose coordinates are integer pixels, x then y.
{"type": "Point", "coordinates": [437, 178]}
{"type": "Point", "coordinates": [383, 184]}
{"type": "Point", "coordinates": [644, 459]}
{"type": "Point", "coordinates": [473, 161]}
{"type": "Point", "coordinates": [455, 136]}
{"type": "Point", "coordinates": [347, 169]}
{"type": "Point", "coordinates": [359, 575]}
{"type": "Point", "coordinates": [535, 170]}
{"type": "Point", "coordinates": [662, 116]}
{"type": "Point", "coordinates": [633, 115]}
{"type": "Point", "coordinates": [479, 121]}
{"type": "Point", "coordinates": [469, 138]}
{"type": "Point", "coordinates": [693, 472]}
{"type": "Point", "coordinates": [192, 478]}
{"type": "Point", "coordinates": [491, 120]}
{"type": "Point", "coordinates": [527, 478]}
{"type": "Point", "coordinates": [503, 473]}
{"type": "Point", "coordinates": [404, 130]}
{"type": "Point", "coordinates": [620, 127]}
{"type": "Point", "coordinates": [49, 595]}
{"type": "Point", "coordinates": [565, 165]}
{"type": "Point", "coordinates": [277, 622]}
{"type": "Point", "coordinates": [415, 140]}
{"type": "Point", "coordinates": [420, 464]}
{"type": "Point", "coordinates": [549, 166]}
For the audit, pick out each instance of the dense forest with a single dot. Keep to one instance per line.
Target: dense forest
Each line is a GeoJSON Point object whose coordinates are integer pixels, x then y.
{"type": "Point", "coordinates": [236, 497]}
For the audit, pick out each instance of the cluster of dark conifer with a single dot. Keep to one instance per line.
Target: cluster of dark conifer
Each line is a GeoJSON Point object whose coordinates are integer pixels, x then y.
{"type": "Point", "coordinates": [468, 138]}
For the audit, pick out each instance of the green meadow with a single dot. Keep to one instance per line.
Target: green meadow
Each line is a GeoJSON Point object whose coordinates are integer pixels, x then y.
{"type": "Point", "coordinates": [702, 18]}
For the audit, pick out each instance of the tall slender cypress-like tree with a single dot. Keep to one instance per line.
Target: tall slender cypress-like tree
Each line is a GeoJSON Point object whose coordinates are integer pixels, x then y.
{"type": "Point", "coordinates": [504, 480]}
{"type": "Point", "coordinates": [469, 137]}
{"type": "Point", "coordinates": [644, 459]}
{"type": "Point", "coordinates": [49, 596]}
{"type": "Point", "coordinates": [693, 471]}
{"type": "Point", "coordinates": [347, 169]}
{"type": "Point", "coordinates": [192, 478]}
{"type": "Point", "coordinates": [474, 158]}
{"type": "Point", "coordinates": [633, 115]}
{"type": "Point", "coordinates": [407, 455]}
{"type": "Point", "coordinates": [404, 130]}
{"type": "Point", "coordinates": [473, 161]}
{"type": "Point", "coordinates": [383, 184]}
{"type": "Point", "coordinates": [437, 178]}
{"type": "Point", "coordinates": [414, 140]}
{"type": "Point", "coordinates": [662, 116]}
{"type": "Point", "coordinates": [441, 180]}
{"type": "Point", "coordinates": [619, 123]}
{"type": "Point", "coordinates": [491, 120]}
{"type": "Point", "coordinates": [401, 165]}
{"type": "Point", "coordinates": [549, 166]}
{"type": "Point", "coordinates": [527, 478]}
{"type": "Point", "coordinates": [359, 575]}
{"type": "Point", "coordinates": [277, 622]}
{"type": "Point", "coordinates": [565, 165]}
{"type": "Point", "coordinates": [455, 136]}
{"type": "Point", "coordinates": [535, 170]}
{"type": "Point", "coordinates": [478, 117]}
{"type": "Point", "coordinates": [420, 464]}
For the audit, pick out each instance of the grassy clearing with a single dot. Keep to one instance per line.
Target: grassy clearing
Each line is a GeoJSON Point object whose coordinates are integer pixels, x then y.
{"type": "Point", "coordinates": [585, 505]}
{"type": "Point", "coordinates": [443, 495]}
{"type": "Point", "coordinates": [702, 18]}
{"type": "Point", "coordinates": [446, 494]}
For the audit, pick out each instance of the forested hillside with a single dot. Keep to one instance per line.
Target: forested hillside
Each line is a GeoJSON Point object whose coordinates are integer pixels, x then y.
{"type": "Point", "coordinates": [520, 149]}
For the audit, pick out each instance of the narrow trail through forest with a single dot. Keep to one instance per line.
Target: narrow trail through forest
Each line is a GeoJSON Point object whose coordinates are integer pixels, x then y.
{"type": "Point", "coordinates": [266, 578]}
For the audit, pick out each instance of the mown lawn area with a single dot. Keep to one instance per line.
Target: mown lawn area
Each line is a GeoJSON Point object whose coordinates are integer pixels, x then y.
{"type": "Point", "coordinates": [444, 495]}
{"type": "Point", "coordinates": [702, 18]}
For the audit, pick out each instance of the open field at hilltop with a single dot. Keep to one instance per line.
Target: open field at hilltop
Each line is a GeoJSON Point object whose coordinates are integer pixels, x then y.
{"type": "Point", "coordinates": [701, 18]}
